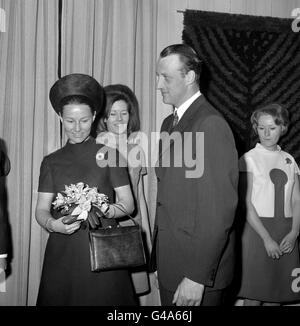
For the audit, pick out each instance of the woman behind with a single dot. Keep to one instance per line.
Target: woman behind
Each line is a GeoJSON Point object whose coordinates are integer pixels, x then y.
{"type": "Point", "coordinates": [269, 177]}
{"type": "Point", "coordinates": [4, 225]}
{"type": "Point", "coordinates": [118, 128]}
{"type": "Point", "coordinates": [67, 279]}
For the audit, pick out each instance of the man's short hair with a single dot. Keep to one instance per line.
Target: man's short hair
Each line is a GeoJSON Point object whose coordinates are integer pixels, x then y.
{"type": "Point", "coordinates": [188, 56]}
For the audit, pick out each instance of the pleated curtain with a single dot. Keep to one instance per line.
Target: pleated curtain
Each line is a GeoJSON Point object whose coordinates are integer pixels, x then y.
{"type": "Point", "coordinates": [112, 40]}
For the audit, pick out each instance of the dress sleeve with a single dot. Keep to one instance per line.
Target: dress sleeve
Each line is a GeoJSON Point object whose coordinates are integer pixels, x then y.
{"type": "Point", "coordinates": [296, 167]}
{"type": "Point", "coordinates": [46, 179]}
{"type": "Point", "coordinates": [119, 171]}
{"type": "Point", "coordinates": [246, 164]}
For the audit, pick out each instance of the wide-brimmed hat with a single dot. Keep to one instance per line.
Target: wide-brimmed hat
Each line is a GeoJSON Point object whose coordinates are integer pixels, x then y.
{"type": "Point", "coordinates": [77, 84]}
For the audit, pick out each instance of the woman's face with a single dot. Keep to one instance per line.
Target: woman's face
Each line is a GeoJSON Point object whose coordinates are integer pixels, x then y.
{"type": "Point", "coordinates": [77, 120]}
{"type": "Point", "coordinates": [118, 118]}
{"type": "Point", "coordinates": [268, 132]}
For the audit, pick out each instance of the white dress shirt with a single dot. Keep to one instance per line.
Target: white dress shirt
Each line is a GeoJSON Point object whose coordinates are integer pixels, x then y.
{"type": "Point", "coordinates": [184, 106]}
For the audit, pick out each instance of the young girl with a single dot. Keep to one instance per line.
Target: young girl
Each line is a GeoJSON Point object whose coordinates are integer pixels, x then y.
{"type": "Point", "coordinates": [118, 128]}
{"type": "Point", "coordinates": [269, 177]}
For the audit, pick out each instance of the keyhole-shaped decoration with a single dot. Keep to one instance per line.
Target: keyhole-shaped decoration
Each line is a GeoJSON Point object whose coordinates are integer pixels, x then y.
{"type": "Point", "coordinates": [279, 179]}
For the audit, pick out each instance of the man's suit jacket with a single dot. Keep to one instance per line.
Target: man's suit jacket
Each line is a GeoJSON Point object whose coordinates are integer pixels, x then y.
{"type": "Point", "coordinates": [194, 216]}
{"type": "Point", "coordinates": [4, 170]}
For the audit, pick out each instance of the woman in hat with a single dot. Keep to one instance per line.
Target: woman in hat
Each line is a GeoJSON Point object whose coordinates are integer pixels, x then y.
{"type": "Point", "coordinates": [67, 279]}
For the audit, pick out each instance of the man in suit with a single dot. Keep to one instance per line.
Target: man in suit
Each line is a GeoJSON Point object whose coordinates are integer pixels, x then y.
{"type": "Point", "coordinates": [4, 170]}
{"type": "Point", "coordinates": [195, 206]}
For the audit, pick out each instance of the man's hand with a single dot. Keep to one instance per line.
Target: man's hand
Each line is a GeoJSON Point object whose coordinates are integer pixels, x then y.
{"type": "Point", "coordinates": [188, 293]}
{"type": "Point", "coordinates": [3, 263]}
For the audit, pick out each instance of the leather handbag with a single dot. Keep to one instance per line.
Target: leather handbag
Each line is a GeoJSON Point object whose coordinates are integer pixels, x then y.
{"type": "Point", "coordinates": [116, 247]}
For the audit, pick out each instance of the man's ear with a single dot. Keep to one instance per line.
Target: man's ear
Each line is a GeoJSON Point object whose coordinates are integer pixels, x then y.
{"type": "Point", "coordinates": [190, 77]}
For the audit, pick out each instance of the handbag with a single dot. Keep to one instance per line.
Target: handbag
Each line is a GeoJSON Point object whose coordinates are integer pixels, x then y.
{"type": "Point", "coordinates": [116, 247]}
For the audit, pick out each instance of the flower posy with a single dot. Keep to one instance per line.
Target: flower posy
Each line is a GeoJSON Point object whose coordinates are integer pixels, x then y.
{"type": "Point", "coordinates": [80, 197]}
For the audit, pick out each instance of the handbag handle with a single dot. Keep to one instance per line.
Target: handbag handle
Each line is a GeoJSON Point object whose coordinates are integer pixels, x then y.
{"type": "Point", "coordinates": [122, 209]}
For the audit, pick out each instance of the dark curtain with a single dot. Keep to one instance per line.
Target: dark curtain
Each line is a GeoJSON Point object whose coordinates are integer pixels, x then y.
{"type": "Point", "coordinates": [249, 61]}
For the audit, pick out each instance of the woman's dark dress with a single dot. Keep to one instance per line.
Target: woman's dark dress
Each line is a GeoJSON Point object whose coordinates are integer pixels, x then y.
{"type": "Point", "coordinates": [67, 279]}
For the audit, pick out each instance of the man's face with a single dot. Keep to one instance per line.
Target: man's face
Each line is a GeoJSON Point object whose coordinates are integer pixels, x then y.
{"type": "Point", "coordinates": [171, 80]}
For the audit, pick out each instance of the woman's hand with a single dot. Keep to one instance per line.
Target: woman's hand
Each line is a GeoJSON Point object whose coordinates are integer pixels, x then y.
{"type": "Point", "coordinates": [272, 248]}
{"type": "Point", "coordinates": [111, 212]}
{"type": "Point", "coordinates": [59, 226]}
{"type": "Point", "coordinates": [288, 242]}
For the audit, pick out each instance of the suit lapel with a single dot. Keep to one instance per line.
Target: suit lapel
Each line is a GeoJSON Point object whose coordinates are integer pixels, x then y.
{"type": "Point", "coordinates": [186, 120]}
{"type": "Point", "coordinates": [184, 124]}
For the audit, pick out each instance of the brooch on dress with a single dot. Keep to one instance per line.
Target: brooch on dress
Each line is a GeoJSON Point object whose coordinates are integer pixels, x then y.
{"type": "Point", "coordinates": [99, 156]}
{"type": "Point", "coordinates": [288, 161]}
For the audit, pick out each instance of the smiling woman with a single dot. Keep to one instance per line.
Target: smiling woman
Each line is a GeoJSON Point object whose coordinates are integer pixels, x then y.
{"type": "Point", "coordinates": [77, 119]}
{"type": "Point", "coordinates": [117, 128]}
{"type": "Point", "coordinates": [67, 278]}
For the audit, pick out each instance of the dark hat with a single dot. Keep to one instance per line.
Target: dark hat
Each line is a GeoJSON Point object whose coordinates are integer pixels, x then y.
{"type": "Point", "coordinates": [76, 84]}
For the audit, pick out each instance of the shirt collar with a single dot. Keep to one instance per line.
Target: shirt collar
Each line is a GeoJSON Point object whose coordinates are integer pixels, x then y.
{"type": "Point", "coordinates": [184, 106]}
{"type": "Point", "coordinates": [261, 147]}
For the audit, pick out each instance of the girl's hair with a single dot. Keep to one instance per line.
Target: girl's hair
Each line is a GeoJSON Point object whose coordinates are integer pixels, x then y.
{"type": "Point", "coordinates": [116, 93]}
{"type": "Point", "coordinates": [277, 111]}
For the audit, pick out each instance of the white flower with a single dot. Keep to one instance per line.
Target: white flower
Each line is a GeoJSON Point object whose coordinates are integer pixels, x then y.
{"type": "Point", "coordinates": [60, 200]}
{"type": "Point", "coordinates": [83, 197]}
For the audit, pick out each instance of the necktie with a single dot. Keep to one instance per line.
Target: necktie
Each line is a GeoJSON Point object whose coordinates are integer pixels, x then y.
{"type": "Point", "coordinates": [175, 119]}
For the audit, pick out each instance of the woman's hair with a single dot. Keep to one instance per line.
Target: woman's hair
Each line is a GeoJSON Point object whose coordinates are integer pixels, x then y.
{"type": "Point", "coordinates": [277, 111]}
{"type": "Point", "coordinates": [76, 99]}
{"type": "Point", "coordinates": [116, 93]}
{"type": "Point", "coordinates": [188, 56]}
